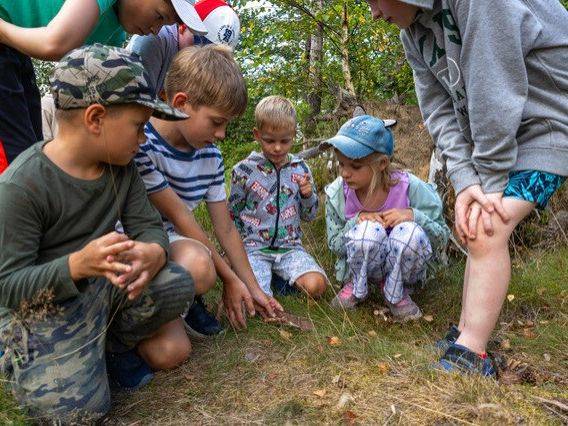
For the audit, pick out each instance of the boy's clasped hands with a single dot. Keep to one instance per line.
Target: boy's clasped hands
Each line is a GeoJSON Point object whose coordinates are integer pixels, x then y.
{"type": "Point", "coordinates": [129, 265]}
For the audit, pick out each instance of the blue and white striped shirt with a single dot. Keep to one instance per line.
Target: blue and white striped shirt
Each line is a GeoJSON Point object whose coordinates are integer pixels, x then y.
{"type": "Point", "coordinates": [194, 176]}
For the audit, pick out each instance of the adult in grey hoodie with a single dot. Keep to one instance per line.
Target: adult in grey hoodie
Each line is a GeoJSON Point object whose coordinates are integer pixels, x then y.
{"type": "Point", "coordinates": [492, 83]}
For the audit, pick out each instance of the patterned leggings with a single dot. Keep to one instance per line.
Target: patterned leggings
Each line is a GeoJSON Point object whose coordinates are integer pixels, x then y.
{"type": "Point", "coordinates": [398, 257]}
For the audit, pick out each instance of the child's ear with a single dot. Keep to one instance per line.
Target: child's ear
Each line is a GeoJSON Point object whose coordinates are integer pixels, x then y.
{"type": "Point", "coordinates": [179, 100]}
{"type": "Point", "coordinates": [383, 162]}
{"type": "Point", "coordinates": [256, 134]}
{"type": "Point", "coordinates": [93, 118]}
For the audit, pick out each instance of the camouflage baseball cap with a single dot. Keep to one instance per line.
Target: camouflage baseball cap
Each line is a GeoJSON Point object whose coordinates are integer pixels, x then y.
{"type": "Point", "coordinates": [99, 74]}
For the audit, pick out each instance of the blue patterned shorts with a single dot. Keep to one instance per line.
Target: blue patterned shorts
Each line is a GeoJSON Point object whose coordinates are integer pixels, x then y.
{"type": "Point", "coordinates": [534, 186]}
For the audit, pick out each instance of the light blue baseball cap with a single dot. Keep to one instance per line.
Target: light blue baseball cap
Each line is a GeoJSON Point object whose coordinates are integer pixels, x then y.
{"type": "Point", "coordinates": [363, 135]}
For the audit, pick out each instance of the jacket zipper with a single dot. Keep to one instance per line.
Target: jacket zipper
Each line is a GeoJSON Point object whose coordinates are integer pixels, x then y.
{"type": "Point", "coordinates": [277, 207]}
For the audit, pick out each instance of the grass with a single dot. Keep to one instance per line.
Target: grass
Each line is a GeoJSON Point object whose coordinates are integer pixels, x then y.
{"type": "Point", "coordinates": [375, 371]}
{"type": "Point", "coordinates": [372, 371]}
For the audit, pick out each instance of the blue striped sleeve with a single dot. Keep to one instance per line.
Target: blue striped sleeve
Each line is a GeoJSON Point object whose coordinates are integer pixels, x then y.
{"type": "Point", "coordinates": [153, 179]}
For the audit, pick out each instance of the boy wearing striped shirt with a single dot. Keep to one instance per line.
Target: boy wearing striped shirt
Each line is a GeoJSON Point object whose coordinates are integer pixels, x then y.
{"type": "Point", "coordinates": [181, 167]}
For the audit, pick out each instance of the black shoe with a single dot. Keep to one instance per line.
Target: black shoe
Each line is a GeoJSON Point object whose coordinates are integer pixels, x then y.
{"type": "Point", "coordinates": [449, 339]}
{"type": "Point", "coordinates": [281, 287]}
{"type": "Point", "coordinates": [459, 358]}
{"type": "Point", "coordinates": [128, 370]}
{"type": "Point", "coordinates": [199, 322]}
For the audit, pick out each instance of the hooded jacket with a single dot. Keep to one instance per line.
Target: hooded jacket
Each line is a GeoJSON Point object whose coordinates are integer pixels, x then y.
{"type": "Point", "coordinates": [492, 83]}
{"type": "Point", "coordinates": [266, 204]}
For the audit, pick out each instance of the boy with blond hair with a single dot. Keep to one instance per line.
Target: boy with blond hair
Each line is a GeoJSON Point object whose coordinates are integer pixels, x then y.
{"type": "Point", "coordinates": [181, 167]}
{"type": "Point", "coordinates": [271, 192]}
{"type": "Point", "coordinates": [98, 289]}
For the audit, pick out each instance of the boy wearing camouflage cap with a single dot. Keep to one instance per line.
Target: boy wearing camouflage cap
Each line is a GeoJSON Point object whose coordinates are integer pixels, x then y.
{"type": "Point", "coordinates": [99, 290]}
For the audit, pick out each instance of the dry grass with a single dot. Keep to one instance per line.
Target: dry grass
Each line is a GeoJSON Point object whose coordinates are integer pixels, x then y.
{"type": "Point", "coordinates": [374, 371]}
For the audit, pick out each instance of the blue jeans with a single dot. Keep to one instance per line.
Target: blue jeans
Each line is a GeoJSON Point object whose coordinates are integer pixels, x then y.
{"type": "Point", "coordinates": [20, 104]}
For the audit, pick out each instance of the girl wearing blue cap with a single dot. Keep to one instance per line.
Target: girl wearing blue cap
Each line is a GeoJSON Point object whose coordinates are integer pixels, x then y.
{"type": "Point", "coordinates": [384, 224]}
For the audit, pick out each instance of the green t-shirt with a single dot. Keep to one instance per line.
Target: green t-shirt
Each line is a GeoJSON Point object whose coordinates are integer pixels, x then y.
{"type": "Point", "coordinates": [39, 13]}
{"type": "Point", "coordinates": [46, 214]}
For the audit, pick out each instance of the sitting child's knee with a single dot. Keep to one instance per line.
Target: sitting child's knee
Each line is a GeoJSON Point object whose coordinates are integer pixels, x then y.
{"type": "Point", "coordinates": [313, 283]}
{"type": "Point", "coordinates": [366, 235]}
{"type": "Point", "coordinates": [408, 237]}
{"type": "Point", "coordinates": [196, 259]}
{"type": "Point", "coordinates": [169, 354]}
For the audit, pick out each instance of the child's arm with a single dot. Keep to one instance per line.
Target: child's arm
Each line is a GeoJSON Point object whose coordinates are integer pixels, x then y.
{"type": "Point", "coordinates": [428, 212]}
{"type": "Point", "coordinates": [309, 201]}
{"type": "Point", "coordinates": [171, 206]}
{"type": "Point", "coordinates": [439, 114]}
{"type": "Point", "coordinates": [336, 228]}
{"type": "Point", "coordinates": [143, 224]}
{"type": "Point", "coordinates": [21, 278]}
{"type": "Point", "coordinates": [230, 240]}
{"type": "Point", "coordinates": [67, 30]}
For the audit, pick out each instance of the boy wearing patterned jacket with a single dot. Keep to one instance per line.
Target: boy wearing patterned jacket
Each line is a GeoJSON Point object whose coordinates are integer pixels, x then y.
{"type": "Point", "coordinates": [271, 192]}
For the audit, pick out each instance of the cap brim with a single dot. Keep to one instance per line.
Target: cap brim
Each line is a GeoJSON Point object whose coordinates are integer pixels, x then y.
{"type": "Point", "coordinates": [189, 16]}
{"type": "Point", "coordinates": [349, 147]}
{"type": "Point", "coordinates": [163, 111]}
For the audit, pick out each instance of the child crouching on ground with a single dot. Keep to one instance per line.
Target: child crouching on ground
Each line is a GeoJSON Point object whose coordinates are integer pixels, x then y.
{"type": "Point", "coordinates": [113, 294]}
{"type": "Point", "coordinates": [271, 192]}
{"type": "Point", "coordinates": [181, 167]}
{"type": "Point", "coordinates": [384, 224]}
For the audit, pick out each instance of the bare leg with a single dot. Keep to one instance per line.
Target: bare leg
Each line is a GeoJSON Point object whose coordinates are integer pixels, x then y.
{"type": "Point", "coordinates": [195, 258]}
{"type": "Point", "coordinates": [311, 283]}
{"type": "Point", "coordinates": [461, 324]}
{"type": "Point", "coordinates": [167, 348]}
{"type": "Point", "coordinates": [170, 346]}
{"type": "Point", "coordinates": [488, 277]}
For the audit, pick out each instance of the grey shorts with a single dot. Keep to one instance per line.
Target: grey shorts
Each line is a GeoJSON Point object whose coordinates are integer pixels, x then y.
{"type": "Point", "coordinates": [289, 266]}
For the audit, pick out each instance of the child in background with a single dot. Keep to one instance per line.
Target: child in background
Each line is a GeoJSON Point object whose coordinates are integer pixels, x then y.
{"type": "Point", "coordinates": [48, 29]}
{"type": "Point", "coordinates": [158, 50]}
{"type": "Point", "coordinates": [492, 87]}
{"type": "Point", "coordinates": [110, 293]}
{"type": "Point", "coordinates": [182, 167]}
{"type": "Point", "coordinates": [270, 193]}
{"type": "Point", "coordinates": [384, 224]}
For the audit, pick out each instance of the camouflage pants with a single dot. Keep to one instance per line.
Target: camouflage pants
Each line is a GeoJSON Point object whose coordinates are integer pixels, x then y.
{"type": "Point", "coordinates": [56, 366]}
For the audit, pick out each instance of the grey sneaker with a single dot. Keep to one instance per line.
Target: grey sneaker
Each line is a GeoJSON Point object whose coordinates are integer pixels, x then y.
{"type": "Point", "coordinates": [345, 299]}
{"type": "Point", "coordinates": [405, 310]}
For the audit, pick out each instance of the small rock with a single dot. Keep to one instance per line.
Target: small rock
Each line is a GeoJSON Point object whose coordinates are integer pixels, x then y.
{"type": "Point", "coordinates": [345, 399]}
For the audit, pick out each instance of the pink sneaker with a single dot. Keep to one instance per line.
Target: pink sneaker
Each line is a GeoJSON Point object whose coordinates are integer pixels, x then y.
{"type": "Point", "coordinates": [405, 310]}
{"type": "Point", "coordinates": [345, 298]}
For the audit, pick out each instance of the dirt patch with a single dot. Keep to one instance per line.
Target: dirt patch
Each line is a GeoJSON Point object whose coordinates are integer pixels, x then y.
{"type": "Point", "coordinates": [413, 144]}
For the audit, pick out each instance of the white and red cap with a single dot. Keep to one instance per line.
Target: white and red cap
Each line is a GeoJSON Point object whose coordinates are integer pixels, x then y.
{"type": "Point", "coordinates": [188, 15]}
{"type": "Point", "coordinates": [222, 23]}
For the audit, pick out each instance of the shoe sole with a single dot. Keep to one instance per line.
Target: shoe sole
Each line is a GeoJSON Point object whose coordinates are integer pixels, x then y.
{"type": "Point", "coordinates": [339, 305]}
{"type": "Point", "coordinates": [407, 318]}
{"type": "Point", "coordinates": [115, 385]}
{"type": "Point", "coordinates": [197, 335]}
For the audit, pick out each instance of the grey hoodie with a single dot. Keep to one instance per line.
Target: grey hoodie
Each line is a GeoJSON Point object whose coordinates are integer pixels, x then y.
{"type": "Point", "coordinates": [491, 78]}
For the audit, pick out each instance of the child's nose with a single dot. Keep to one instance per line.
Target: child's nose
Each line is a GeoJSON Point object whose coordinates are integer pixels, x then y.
{"type": "Point", "coordinates": [220, 134]}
